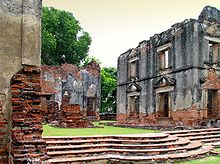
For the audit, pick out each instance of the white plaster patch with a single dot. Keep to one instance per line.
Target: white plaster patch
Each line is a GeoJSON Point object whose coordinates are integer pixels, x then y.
{"type": "Point", "coordinates": [91, 92]}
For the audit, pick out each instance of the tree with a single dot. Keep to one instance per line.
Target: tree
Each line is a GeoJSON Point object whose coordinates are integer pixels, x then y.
{"type": "Point", "coordinates": [88, 59]}
{"type": "Point", "coordinates": [108, 89]}
{"type": "Point", "coordinates": [63, 40]}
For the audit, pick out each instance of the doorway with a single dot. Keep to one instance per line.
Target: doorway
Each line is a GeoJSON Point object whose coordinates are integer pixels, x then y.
{"type": "Point", "coordinates": [91, 106]}
{"type": "Point", "coordinates": [164, 106]}
{"type": "Point", "coordinates": [134, 105]}
{"type": "Point", "coordinates": [212, 102]}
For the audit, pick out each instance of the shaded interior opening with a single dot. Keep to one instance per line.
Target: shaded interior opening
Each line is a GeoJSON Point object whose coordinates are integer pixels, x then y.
{"type": "Point", "coordinates": [164, 106]}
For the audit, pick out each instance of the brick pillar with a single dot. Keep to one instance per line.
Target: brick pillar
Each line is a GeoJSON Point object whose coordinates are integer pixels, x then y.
{"type": "Point", "coordinates": [3, 143]}
{"type": "Point", "coordinates": [27, 145]}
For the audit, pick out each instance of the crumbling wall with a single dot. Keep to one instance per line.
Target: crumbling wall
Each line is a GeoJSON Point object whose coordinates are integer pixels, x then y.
{"type": "Point", "coordinates": [188, 63]}
{"type": "Point", "coordinates": [27, 145]}
{"type": "Point", "coordinates": [19, 44]}
{"type": "Point", "coordinates": [72, 116]}
{"type": "Point", "coordinates": [78, 84]}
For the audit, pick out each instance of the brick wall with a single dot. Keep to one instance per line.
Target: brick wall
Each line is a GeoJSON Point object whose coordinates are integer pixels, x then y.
{"type": "Point", "coordinates": [212, 81]}
{"type": "Point", "coordinates": [27, 144]}
{"type": "Point", "coordinates": [52, 115]}
{"type": "Point", "coordinates": [79, 83]}
{"type": "Point", "coordinates": [72, 117]}
{"type": "Point", "coordinates": [3, 143]}
{"type": "Point", "coordinates": [93, 68]}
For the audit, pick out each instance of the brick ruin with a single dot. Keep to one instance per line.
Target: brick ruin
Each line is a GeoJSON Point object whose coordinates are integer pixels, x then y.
{"type": "Point", "coordinates": [172, 79]}
{"type": "Point", "coordinates": [26, 134]}
{"type": "Point", "coordinates": [24, 93]}
{"type": "Point", "coordinates": [72, 94]}
{"type": "Point", "coordinates": [20, 112]}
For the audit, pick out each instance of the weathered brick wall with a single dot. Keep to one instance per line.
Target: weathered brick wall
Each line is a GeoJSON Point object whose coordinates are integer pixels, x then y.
{"type": "Point", "coordinates": [20, 42]}
{"type": "Point", "coordinates": [72, 116]}
{"type": "Point", "coordinates": [3, 142]}
{"type": "Point", "coordinates": [27, 144]}
{"type": "Point", "coordinates": [52, 114]}
{"type": "Point", "coordinates": [78, 83]}
{"type": "Point", "coordinates": [212, 81]}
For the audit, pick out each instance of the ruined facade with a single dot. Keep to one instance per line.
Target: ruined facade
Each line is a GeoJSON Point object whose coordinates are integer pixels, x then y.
{"type": "Point", "coordinates": [77, 91]}
{"type": "Point", "coordinates": [20, 116]}
{"type": "Point", "coordinates": [173, 78]}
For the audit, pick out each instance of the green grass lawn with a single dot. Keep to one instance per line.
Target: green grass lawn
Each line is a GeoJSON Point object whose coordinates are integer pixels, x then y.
{"type": "Point", "coordinates": [207, 160]}
{"type": "Point", "coordinates": [217, 149]}
{"type": "Point", "coordinates": [106, 130]}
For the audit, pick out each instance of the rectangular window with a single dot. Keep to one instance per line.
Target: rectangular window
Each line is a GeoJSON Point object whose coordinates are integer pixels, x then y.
{"type": "Point", "coordinates": [213, 52]}
{"type": "Point", "coordinates": [164, 59]}
{"type": "Point", "coordinates": [133, 69]}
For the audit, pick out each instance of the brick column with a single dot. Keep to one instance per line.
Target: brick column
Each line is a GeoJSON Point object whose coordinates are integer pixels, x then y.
{"type": "Point", "coordinates": [3, 143]}
{"type": "Point", "coordinates": [27, 145]}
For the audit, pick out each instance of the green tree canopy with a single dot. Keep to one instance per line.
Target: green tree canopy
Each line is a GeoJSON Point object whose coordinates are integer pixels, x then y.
{"type": "Point", "coordinates": [108, 89]}
{"type": "Point", "coordinates": [88, 59]}
{"type": "Point", "coordinates": [63, 40]}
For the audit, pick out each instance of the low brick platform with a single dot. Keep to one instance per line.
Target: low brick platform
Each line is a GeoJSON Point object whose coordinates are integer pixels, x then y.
{"type": "Point", "coordinates": [72, 117]}
{"type": "Point", "coordinates": [157, 147]}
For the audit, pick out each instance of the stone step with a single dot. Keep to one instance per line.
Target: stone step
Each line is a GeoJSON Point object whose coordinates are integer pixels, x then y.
{"type": "Point", "coordinates": [180, 142]}
{"type": "Point", "coordinates": [109, 140]}
{"type": "Point", "coordinates": [205, 137]}
{"type": "Point", "coordinates": [191, 131]}
{"type": "Point", "coordinates": [192, 146]}
{"type": "Point", "coordinates": [133, 158]}
{"type": "Point", "coordinates": [216, 144]}
{"type": "Point", "coordinates": [124, 137]}
{"type": "Point", "coordinates": [198, 134]}
{"type": "Point", "coordinates": [210, 140]}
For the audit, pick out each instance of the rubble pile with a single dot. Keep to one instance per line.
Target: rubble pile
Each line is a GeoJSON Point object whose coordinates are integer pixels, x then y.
{"type": "Point", "coordinates": [73, 118]}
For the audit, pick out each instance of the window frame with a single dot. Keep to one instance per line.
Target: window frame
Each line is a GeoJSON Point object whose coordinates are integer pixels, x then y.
{"type": "Point", "coordinates": [134, 62]}
{"type": "Point", "coordinates": [163, 54]}
{"type": "Point", "coordinates": [215, 52]}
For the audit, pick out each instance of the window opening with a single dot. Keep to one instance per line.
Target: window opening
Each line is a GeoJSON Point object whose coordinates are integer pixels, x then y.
{"type": "Point", "coordinates": [213, 52]}
{"type": "Point", "coordinates": [164, 59]}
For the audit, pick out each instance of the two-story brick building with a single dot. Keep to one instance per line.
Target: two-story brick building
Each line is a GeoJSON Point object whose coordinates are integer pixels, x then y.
{"type": "Point", "coordinates": [173, 78]}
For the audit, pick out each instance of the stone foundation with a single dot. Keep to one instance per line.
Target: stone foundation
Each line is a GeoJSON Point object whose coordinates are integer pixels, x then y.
{"type": "Point", "coordinates": [190, 117]}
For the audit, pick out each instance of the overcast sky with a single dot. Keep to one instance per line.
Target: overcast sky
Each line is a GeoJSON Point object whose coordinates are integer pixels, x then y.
{"type": "Point", "coordinates": [118, 25]}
